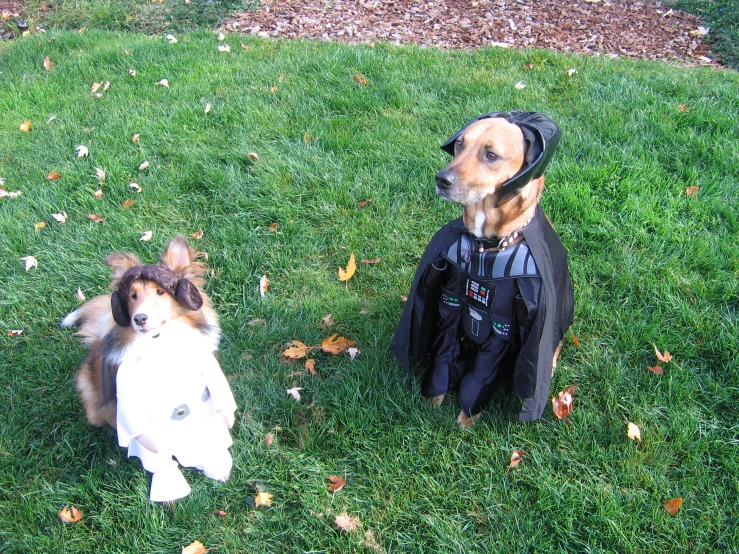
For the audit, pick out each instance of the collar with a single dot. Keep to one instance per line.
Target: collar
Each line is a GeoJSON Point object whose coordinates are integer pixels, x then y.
{"type": "Point", "coordinates": [501, 243]}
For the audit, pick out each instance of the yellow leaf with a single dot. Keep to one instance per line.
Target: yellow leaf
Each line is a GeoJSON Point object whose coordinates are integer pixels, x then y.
{"type": "Point", "coordinates": [136, 137]}
{"type": "Point", "coordinates": [196, 547]}
{"type": "Point", "coordinates": [40, 225]}
{"type": "Point", "coordinates": [310, 366]}
{"type": "Point", "coordinates": [70, 514]}
{"type": "Point", "coordinates": [334, 345]}
{"type": "Point", "coordinates": [351, 268]}
{"type": "Point", "coordinates": [26, 126]}
{"type": "Point", "coordinates": [128, 203]}
{"type": "Point", "coordinates": [53, 176]}
{"type": "Point", "coordinates": [263, 285]}
{"type": "Point", "coordinates": [263, 499]}
{"type": "Point", "coordinates": [197, 235]}
{"type": "Point", "coordinates": [296, 350]}
{"type": "Point", "coordinates": [633, 432]}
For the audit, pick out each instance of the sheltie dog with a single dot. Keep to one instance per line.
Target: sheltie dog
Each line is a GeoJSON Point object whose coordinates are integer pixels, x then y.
{"type": "Point", "coordinates": [151, 372]}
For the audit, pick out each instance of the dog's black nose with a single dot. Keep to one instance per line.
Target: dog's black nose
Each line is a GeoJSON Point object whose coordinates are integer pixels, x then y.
{"type": "Point", "coordinates": [444, 180]}
{"type": "Point", "coordinates": [140, 319]}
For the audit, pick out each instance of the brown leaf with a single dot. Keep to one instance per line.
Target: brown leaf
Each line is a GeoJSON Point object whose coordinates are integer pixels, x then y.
{"type": "Point", "coordinates": [296, 350]}
{"type": "Point", "coordinates": [334, 345]}
{"type": "Point", "coordinates": [672, 506]}
{"type": "Point", "coordinates": [372, 261]}
{"type": "Point", "coordinates": [197, 235]}
{"type": "Point", "coordinates": [136, 137]}
{"type": "Point", "coordinates": [657, 368]}
{"type": "Point", "coordinates": [263, 285]}
{"type": "Point", "coordinates": [576, 341]}
{"type": "Point", "coordinates": [263, 499]}
{"type": "Point", "coordinates": [359, 79]}
{"type": "Point", "coordinates": [96, 218]}
{"type": "Point", "coordinates": [363, 203]}
{"type": "Point", "coordinates": [53, 176]}
{"type": "Point", "coordinates": [48, 64]}
{"type": "Point", "coordinates": [128, 203]}
{"type": "Point", "coordinates": [25, 126]}
{"type": "Point", "coordinates": [273, 227]}
{"type": "Point", "coordinates": [666, 357]}
{"type": "Point", "coordinates": [335, 483]}
{"type": "Point", "coordinates": [269, 439]}
{"type": "Point", "coordinates": [15, 332]}
{"type": "Point", "coordinates": [196, 547]}
{"type": "Point", "coordinates": [347, 523]}
{"type": "Point", "coordinates": [351, 268]}
{"type": "Point", "coordinates": [528, 66]}
{"type": "Point", "coordinates": [221, 513]}
{"type": "Point", "coordinates": [98, 193]}
{"type": "Point", "coordinates": [310, 366]}
{"type": "Point", "coordinates": [562, 403]}
{"type": "Point", "coordinates": [683, 108]}
{"type": "Point", "coordinates": [690, 191]}
{"type": "Point", "coordinates": [70, 514]}
{"type": "Point", "coordinates": [516, 458]}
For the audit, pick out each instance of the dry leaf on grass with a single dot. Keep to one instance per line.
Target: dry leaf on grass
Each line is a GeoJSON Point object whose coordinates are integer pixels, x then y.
{"type": "Point", "coordinates": [10, 194]}
{"type": "Point", "coordinates": [128, 203]}
{"type": "Point", "coordinates": [273, 227]}
{"type": "Point", "coordinates": [146, 237]}
{"type": "Point", "coordinates": [197, 235]}
{"type": "Point", "coordinates": [310, 366]}
{"type": "Point", "coordinates": [60, 218]}
{"type": "Point", "coordinates": [25, 126]}
{"type": "Point", "coordinates": [70, 514]}
{"type": "Point", "coordinates": [38, 226]}
{"type": "Point", "coordinates": [82, 151]}
{"type": "Point", "coordinates": [295, 393]}
{"type": "Point", "coordinates": [353, 353]}
{"type": "Point", "coordinates": [207, 108]}
{"type": "Point", "coordinates": [335, 483]}
{"type": "Point", "coordinates": [98, 193]}
{"type": "Point", "coordinates": [690, 191]}
{"type": "Point", "coordinates": [562, 403]}
{"type": "Point", "coordinates": [666, 357]}
{"type": "Point", "coordinates": [263, 285]}
{"type": "Point", "coordinates": [96, 218]}
{"type": "Point", "coordinates": [576, 341]}
{"type": "Point", "coordinates": [363, 203]}
{"type": "Point", "coordinates": [633, 432]}
{"type": "Point", "coordinates": [220, 513]}
{"type": "Point", "coordinates": [15, 332]}
{"type": "Point", "coordinates": [53, 176]}
{"type": "Point", "coordinates": [296, 350]}
{"type": "Point", "coordinates": [253, 156]}
{"type": "Point", "coordinates": [132, 72]}
{"type": "Point", "coordinates": [351, 268]}
{"type": "Point", "coordinates": [80, 296]}
{"type": "Point", "coordinates": [263, 499]}
{"type": "Point", "coordinates": [143, 165]}
{"type": "Point", "coordinates": [31, 262]}
{"type": "Point", "coordinates": [327, 320]}
{"type": "Point", "coordinates": [100, 174]}
{"type": "Point", "coordinates": [48, 64]}
{"type": "Point", "coordinates": [135, 186]}
{"type": "Point", "coordinates": [672, 506]}
{"type": "Point", "coordinates": [269, 439]}
{"type": "Point", "coordinates": [657, 369]}
{"type": "Point", "coordinates": [516, 458]}
{"type": "Point", "coordinates": [136, 137]}
{"type": "Point", "coordinates": [359, 79]}
{"type": "Point", "coordinates": [172, 39]}
{"type": "Point", "coordinates": [196, 547]}
{"type": "Point", "coordinates": [347, 523]}
{"type": "Point", "coordinates": [162, 83]}
{"type": "Point", "coordinates": [520, 86]}
{"type": "Point", "coordinates": [334, 345]}
{"type": "Point", "coordinates": [224, 48]}
{"type": "Point", "coordinates": [372, 261]}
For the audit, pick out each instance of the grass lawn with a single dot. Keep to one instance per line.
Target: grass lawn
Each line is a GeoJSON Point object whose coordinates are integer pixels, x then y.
{"type": "Point", "coordinates": [651, 265]}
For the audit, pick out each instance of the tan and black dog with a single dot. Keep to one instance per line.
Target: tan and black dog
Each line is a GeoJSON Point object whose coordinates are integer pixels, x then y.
{"type": "Point", "coordinates": [497, 277]}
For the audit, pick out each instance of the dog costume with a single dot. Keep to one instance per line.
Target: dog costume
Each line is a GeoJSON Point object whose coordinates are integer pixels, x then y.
{"type": "Point", "coordinates": [515, 304]}
{"type": "Point", "coordinates": [169, 387]}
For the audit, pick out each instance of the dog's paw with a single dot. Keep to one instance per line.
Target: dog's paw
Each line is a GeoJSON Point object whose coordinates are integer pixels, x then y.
{"type": "Point", "coordinates": [436, 401]}
{"type": "Point", "coordinates": [465, 422]}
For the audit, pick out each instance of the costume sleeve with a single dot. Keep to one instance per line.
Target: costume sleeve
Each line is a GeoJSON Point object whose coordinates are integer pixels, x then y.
{"type": "Point", "coordinates": [133, 418]}
{"type": "Point", "coordinates": [220, 391]}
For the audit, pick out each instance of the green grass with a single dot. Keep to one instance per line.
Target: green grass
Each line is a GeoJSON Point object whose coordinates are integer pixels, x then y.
{"type": "Point", "coordinates": [650, 265]}
{"type": "Point", "coordinates": [722, 17]}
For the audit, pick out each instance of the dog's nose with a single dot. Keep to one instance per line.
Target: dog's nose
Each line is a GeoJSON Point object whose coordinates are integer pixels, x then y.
{"type": "Point", "coordinates": [444, 180]}
{"type": "Point", "coordinates": [140, 319]}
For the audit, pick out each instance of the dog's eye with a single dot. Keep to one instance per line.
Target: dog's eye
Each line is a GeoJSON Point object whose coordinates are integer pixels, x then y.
{"type": "Point", "coordinates": [458, 143]}
{"type": "Point", "coordinates": [491, 156]}
{"type": "Point", "coordinates": [134, 296]}
{"type": "Point", "coordinates": [160, 292]}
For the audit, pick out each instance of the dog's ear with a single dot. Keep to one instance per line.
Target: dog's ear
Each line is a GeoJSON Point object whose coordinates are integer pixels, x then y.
{"type": "Point", "coordinates": [532, 146]}
{"type": "Point", "coordinates": [120, 263]}
{"type": "Point", "coordinates": [448, 146]}
{"type": "Point", "coordinates": [120, 309]}
{"type": "Point", "coordinates": [188, 295]}
{"type": "Point", "coordinates": [179, 256]}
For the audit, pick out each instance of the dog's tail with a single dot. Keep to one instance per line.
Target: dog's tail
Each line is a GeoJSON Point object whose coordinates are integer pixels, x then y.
{"type": "Point", "coordinates": [72, 318]}
{"type": "Point", "coordinates": [94, 318]}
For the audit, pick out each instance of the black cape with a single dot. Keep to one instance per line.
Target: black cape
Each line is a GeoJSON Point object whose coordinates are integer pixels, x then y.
{"type": "Point", "coordinates": [550, 311]}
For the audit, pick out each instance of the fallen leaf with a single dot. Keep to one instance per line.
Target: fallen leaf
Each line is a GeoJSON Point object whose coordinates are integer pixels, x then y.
{"type": "Point", "coordinates": [657, 368]}
{"type": "Point", "coordinates": [335, 483]}
{"type": "Point", "coordinates": [40, 225]}
{"type": "Point", "coordinates": [221, 513]}
{"type": "Point", "coordinates": [273, 227]}
{"type": "Point", "coordinates": [263, 499]}
{"type": "Point", "coordinates": [666, 357]}
{"type": "Point", "coordinates": [347, 523]}
{"type": "Point", "coordinates": [128, 203]}
{"type": "Point", "coordinates": [95, 87]}
{"type": "Point", "coordinates": [700, 31]}
{"type": "Point", "coordinates": [516, 458]}
{"type": "Point", "coordinates": [310, 366]}
{"type": "Point", "coordinates": [197, 235]}
{"type": "Point", "coordinates": [135, 186]}
{"type": "Point", "coordinates": [295, 393]}
{"type": "Point", "coordinates": [296, 350]}
{"type": "Point", "coordinates": [353, 353]}
{"type": "Point", "coordinates": [351, 267]}
{"type": "Point", "coordinates": [146, 237]}
{"type": "Point", "coordinates": [162, 83]}
{"type": "Point", "coordinates": [359, 79]}
{"type": "Point", "coordinates": [562, 403]}
{"type": "Point", "coordinates": [244, 46]}
{"type": "Point", "coordinates": [80, 296]}
{"type": "Point", "coordinates": [82, 151]}
{"type": "Point", "coordinates": [143, 165]}
{"type": "Point", "coordinates": [221, 36]}
{"type": "Point", "coordinates": [528, 66]}
{"type": "Point", "coordinates": [327, 320]}
{"type": "Point", "coordinates": [31, 262]}
{"type": "Point", "coordinates": [70, 514]}
{"type": "Point", "coordinates": [136, 137]}
{"type": "Point", "coordinates": [96, 218]}
{"type": "Point", "coordinates": [100, 174]}
{"type": "Point", "coordinates": [403, 298]}
{"type": "Point", "coordinates": [633, 432]}
{"type": "Point", "coordinates": [520, 85]}
{"type": "Point", "coordinates": [52, 118]}
{"type": "Point", "coordinates": [48, 64]}
{"type": "Point", "coordinates": [363, 203]}
{"type": "Point", "coordinates": [106, 85]}
{"type": "Point", "coordinates": [10, 194]}
{"type": "Point", "coordinates": [132, 72]}
{"type": "Point", "coordinates": [576, 341]}
{"type": "Point", "coordinates": [224, 48]}
{"type": "Point", "coordinates": [61, 217]}
{"type": "Point", "coordinates": [269, 439]}
{"type": "Point", "coordinates": [672, 506]}
{"type": "Point", "coordinates": [98, 193]}
{"type": "Point", "coordinates": [683, 108]}
{"type": "Point", "coordinates": [53, 176]}
{"type": "Point", "coordinates": [571, 72]}
{"type": "Point", "coordinates": [690, 191]}
{"type": "Point", "coordinates": [196, 547]}
{"type": "Point", "coordinates": [273, 90]}
{"type": "Point", "coordinates": [207, 107]}
{"type": "Point", "coordinates": [334, 345]}
{"type": "Point", "coordinates": [253, 156]}
{"type": "Point", "coordinates": [172, 39]}
{"type": "Point", "coordinates": [263, 285]}
{"type": "Point", "coordinates": [25, 126]}
{"type": "Point", "coordinates": [15, 332]}
{"type": "Point", "coordinates": [306, 138]}
{"type": "Point", "coordinates": [372, 261]}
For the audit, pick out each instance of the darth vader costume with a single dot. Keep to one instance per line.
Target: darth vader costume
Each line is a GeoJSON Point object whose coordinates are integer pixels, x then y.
{"type": "Point", "coordinates": [515, 304]}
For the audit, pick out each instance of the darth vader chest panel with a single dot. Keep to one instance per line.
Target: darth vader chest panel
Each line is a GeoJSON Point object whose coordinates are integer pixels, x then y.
{"type": "Point", "coordinates": [482, 288]}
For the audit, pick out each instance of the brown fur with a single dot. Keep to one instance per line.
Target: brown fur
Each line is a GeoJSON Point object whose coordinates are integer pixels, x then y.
{"type": "Point", "coordinates": [96, 320]}
{"type": "Point", "coordinates": [475, 181]}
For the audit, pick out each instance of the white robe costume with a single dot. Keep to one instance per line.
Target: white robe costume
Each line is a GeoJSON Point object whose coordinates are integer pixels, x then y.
{"type": "Point", "coordinates": [172, 390]}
